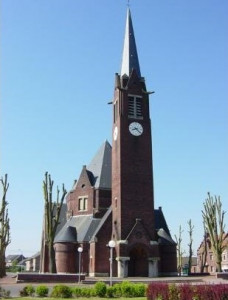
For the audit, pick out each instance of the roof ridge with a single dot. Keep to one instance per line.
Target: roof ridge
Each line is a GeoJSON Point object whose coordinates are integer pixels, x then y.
{"type": "Point", "coordinates": [100, 166]}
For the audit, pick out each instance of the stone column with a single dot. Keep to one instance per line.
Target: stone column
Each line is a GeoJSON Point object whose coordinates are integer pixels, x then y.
{"type": "Point", "coordinates": [122, 266]}
{"type": "Point", "coordinates": [153, 266]}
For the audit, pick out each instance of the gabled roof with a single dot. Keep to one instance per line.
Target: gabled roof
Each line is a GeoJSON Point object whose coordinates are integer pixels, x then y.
{"type": "Point", "coordinates": [100, 167]}
{"type": "Point", "coordinates": [162, 228]}
{"type": "Point", "coordinates": [11, 258]}
{"type": "Point", "coordinates": [160, 221]}
{"type": "Point", "coordinates": [101, 223]}
{"type": "Point", "coordinates": [78, 229]}
{"type": "Point", "coordinates": [36, 255]}
{"type": "Point", "coordinates": [138, 226]}
{"type": "Point", "coordinates": [130, 56]}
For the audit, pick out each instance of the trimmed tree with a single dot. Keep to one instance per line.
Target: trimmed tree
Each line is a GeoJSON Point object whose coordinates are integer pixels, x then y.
{"type": "Point", "coordinates": [4, 226]}
{"type": "Point", "coordinates": [213, 217]}
{"type": "Point", "coordinates": [191, 227]}
{"type": "Point", "coordinates": [51, 217]}
{"type": "Point", "coordinates": [203, 252]}
{"type": "Point", "coordinates": [180, 252]}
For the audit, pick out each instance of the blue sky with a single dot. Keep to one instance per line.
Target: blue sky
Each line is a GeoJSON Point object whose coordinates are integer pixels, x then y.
{"type": "Point", "coordinates": [57, 75]}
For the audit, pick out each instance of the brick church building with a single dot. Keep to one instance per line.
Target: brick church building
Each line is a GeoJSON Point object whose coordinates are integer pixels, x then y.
{"type": "Point", "coordinates": [113, 198]}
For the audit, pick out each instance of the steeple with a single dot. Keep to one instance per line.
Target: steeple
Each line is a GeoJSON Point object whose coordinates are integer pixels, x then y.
{"type": "Point", "coordinates": [130, 57]}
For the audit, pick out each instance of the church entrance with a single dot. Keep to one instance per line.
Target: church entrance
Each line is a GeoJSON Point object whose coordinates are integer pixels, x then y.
{"type": "Point", "coordinates": [138, 263]}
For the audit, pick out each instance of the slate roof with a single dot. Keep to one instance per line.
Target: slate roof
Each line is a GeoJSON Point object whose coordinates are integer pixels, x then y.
{"type": "Point", "coordinates": [62, 217]}
{"type": "Point", "coordinates": [130, 56]}
{"type": "Point", "coordinates": [78, 229]}
{"type": "Point", "coordinates": [83, 228]}
{"type": "Point", "coordinates": [162, 228]}
{"type": "Point", "coordinates": [36, 255]}
{"type": "Point", "coordinates": [100, 167]}
{"type": "Point", "coordinates": [11, 258]}
{"type": "Point", "coordinates": [102, 221]}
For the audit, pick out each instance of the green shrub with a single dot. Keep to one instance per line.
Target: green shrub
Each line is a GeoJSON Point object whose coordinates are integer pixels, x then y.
{"type": "Point", "coordinates": [127, 289]}
{"type": "Point", "coordinates": [61, 291]}
{"type": "Point", "coordinates": [117, 290]}
{"type": "Point", "coordinates": [139, 289]}
{"type": "Point", "coordinates": [42, 291]}
{"type": "Point", "coordinates": [76, 291]}
{"type": "Point", "coordinates": [111, 292]}
{"type": "Point", "coordinates": [100, 288]}
{"type": "Point", "coordinates": [114, 291]}
{"type": "Point", "coordinates": [28, 290]}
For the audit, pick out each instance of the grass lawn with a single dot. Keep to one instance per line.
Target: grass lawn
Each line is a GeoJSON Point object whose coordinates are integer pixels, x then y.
{"type": "Point", "coordinates": [81, 298]}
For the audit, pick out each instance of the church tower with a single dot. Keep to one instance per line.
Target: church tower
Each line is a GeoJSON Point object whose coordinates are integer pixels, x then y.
{"type": "Point", "coordinates": [132, 168]}
{"type": "Point", "coordinates": [114, 195]}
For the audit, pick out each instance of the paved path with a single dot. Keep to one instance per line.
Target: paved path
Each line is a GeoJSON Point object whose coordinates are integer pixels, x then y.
{"type": "Point", "coordinates": [9, 282]}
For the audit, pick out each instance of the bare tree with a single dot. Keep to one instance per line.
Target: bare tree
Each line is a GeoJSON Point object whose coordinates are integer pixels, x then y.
{"type": "Point", "coordinates": [180, 252]}
{"type": "Point", "coordinates": [51, 217]}
{"type": "Point", "coordinates": [203, 251]}
{"type": "Point", "coordinates": [191, 227]}
{"type": "Point", "coordinates": [213, 217]}
{"type": "Point", "coordinates": [4, 226]}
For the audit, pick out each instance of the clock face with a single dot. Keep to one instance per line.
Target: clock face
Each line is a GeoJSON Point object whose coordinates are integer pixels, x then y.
{"type": "Point", "coordinates": [115, 133]}
{"type": "Point", "coordinates": [135, 128]}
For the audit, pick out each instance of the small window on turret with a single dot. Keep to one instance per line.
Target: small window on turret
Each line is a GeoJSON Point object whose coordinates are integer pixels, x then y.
{"type": "Point", "coordinates": [135, 107]}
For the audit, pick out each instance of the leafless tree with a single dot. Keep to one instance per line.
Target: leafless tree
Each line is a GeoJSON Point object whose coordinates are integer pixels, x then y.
{"type": "Point", "coordinates": [213, 217]}
{"type": "Point", "coordinates": [4, 226]}
{"type": "Point", "coordinates": [180, 252]}
{"type": "Point", "coordinates": [51, 217]}
{"type": "Point", "coordinates": [203, 251]}
{"type": "Point", "coordinates": [191, 227]}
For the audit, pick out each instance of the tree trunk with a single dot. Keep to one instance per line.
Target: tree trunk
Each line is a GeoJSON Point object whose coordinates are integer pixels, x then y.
{"type": "Point", "coordinates": [4, 226]}
{"type": "Point", "coordinates": [2, 264]}
{"type": "Point", "coordinates": [218, 263]}
{"type": "Point", "coordinates": [51, 258]}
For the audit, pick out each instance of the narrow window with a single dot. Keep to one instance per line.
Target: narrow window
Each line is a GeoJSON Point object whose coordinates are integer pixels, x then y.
{"type": "Point", "coordinates": [115, 111]}
{"type": "Point", "coordinates": [131, 108]}
{"type": "Point", "coordinates": [85, 203]}
{"type": "Point", "coordinates": [115, 202]}
{"type": "Point", "coordinates": [135, 107]}
{"type": "Point", "coordinates": [82, 203]}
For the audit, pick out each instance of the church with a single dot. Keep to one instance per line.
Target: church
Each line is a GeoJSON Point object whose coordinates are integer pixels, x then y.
{"type": "Point", "coordinates": [113, 198]}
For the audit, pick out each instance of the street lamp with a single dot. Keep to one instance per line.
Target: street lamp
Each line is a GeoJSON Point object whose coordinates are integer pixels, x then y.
{"type": "Point", "coordinates": [79, 262]}
{"type": "Point", "coordinates": [111, 245]}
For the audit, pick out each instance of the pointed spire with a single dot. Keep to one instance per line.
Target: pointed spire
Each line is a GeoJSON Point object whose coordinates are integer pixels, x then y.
{"type": "Point", "coordinates": [130, 57]}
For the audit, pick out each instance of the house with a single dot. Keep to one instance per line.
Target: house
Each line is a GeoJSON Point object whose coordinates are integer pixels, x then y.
{"type": "Point", "coordinates": [32, 264]}
{"type": "Point", "coordinates": [14, 260]}
{"type": "Point", "coordinates": [206, 257]}
{"type": "Point", "coordinates": [185, 260]}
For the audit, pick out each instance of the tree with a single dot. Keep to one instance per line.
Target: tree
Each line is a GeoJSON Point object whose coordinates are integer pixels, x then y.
{"type": "Point", "coordinates": [179, 250]}
{"type": "Point", "coordinates": [51, 217]}
{"type": "Point", "coordinates": [203, 251]}
{"type": "Point", "coordinates": [191, 227]}
{"type": "Point", "coordinates": [4, 226]}
{"type": "Point", "coordinates": [213, 217]}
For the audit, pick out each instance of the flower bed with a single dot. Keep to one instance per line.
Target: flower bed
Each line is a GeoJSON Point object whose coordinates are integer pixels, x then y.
{"type": "Point", "coordinates": [165, 291]}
